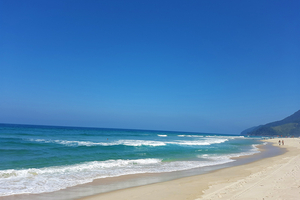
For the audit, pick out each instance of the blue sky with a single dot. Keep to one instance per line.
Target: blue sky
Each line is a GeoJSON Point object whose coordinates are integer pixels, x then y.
{"type": "Point", "coordinates": [203, 66]}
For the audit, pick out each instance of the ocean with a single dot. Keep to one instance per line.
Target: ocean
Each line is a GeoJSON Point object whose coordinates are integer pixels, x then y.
{"type": "Point", "coordinates": [43, 159]}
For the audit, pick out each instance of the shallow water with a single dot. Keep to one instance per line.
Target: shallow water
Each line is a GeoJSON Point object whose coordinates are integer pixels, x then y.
{"type": "Point", "coordinates": [42, 159]}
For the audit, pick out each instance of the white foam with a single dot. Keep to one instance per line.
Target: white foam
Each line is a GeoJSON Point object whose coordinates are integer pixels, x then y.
{"type": "Point", "coordinates": [229, 157]}
{"type": "Point", "coordinates": [71, 143]}
{"type": "Point", "coordinates": [206, 141]}
{"type": "Point", "coordinates": [141, 142]}
{"type": "Point", "coordinates": [162, 135]}
{"type": "Point", "coordinates": [51, 179]}
{"type": "Point", "coordinates": [190, 136]}
{"type": "Point", "coordinates": [198, 142]}
{"type": "Point", "coordinates": [88, 143]}
{"type": "Point", "coordinates": [227, 137]}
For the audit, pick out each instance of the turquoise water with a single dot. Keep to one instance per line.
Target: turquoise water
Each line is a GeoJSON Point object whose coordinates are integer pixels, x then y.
{"type": "Point", "coordinates": [38, 159]}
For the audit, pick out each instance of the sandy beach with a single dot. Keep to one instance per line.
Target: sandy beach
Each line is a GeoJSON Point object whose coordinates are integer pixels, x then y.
{"type": "Point", "coordinates": [270, 178]}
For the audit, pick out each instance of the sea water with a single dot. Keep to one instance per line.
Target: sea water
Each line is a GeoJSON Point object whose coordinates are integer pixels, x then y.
{"type": "Point", "coordinates": [40, 159]}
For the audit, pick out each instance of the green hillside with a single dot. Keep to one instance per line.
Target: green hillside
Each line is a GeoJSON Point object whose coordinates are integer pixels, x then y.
{"type": "Point", "coordinates": [289, 126]}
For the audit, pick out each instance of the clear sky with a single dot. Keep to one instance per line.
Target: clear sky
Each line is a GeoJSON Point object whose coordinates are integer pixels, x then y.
{"type": "Point", "coordinates": [205, 66]}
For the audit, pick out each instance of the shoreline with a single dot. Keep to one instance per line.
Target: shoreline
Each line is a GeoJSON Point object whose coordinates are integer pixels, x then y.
{"type": "Point", "coordinates": [187, 184]}
{"type": "Point", "coordinates": [261, 179]}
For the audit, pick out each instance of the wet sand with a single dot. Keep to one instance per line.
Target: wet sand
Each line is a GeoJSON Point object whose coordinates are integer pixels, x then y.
{"type": "Point", "coordinates": [268, 178]}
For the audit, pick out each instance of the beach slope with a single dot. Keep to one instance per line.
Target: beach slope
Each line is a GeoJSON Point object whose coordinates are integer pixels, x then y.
{"type": "Point", "coordinates": [270, 178]}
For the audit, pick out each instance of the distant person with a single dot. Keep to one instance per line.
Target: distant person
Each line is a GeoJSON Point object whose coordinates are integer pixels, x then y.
{"type": "Point", "coordinates": [282, 142]}
{"type": "Point", "coordinates": [279, 142]}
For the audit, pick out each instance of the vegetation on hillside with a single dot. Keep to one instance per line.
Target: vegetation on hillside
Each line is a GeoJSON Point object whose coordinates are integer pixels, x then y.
{"type": "Point", "coordinates": [289, 126]}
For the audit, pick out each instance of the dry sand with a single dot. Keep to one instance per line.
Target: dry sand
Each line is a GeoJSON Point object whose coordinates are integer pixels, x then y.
{"type": "Point", "coordinates": [273, 178]}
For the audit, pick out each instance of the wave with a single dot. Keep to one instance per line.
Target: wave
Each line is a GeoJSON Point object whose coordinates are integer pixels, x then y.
{"type": "Point", "coordinates": [227, 137]}
{"type": "Point", "coordinates": [252, 151]}
{"type": "Point", "coordinates": [190, 136]}
{"type": "Point", "coordinates": [198, 142]}
{"type": "Point", "coordinates": [212, 136]}
{"type": "Point", "coordinates": [134, 143]}
{"type": "Point", "coordinates": [51, 179]}
{"type": "Point", "coordinates": [67, 142]}
{"type": "Point", "coordinates": [162, 135]}
{"type": "Point", "coordinates": [140, 143]}
{"type": "Point", "coordinates": [114, 143]}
